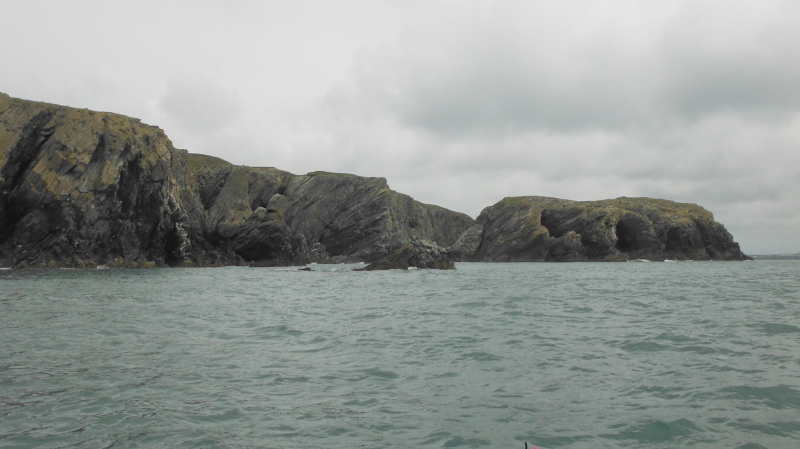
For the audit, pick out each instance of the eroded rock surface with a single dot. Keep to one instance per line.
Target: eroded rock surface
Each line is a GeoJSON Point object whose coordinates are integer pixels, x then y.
{"type": "Point", "coordinates": [550, 229]}
{"type": "Point", "coordinates": [419, 253]}
{"type": "Point", "coordinates": [318, 217]}
{"type": "Point", "coordinates": [80, 188]}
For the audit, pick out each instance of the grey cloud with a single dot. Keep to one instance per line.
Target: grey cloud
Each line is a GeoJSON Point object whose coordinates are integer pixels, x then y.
{"type": "Point", "coordinates": [491, 73]}
{"type": "Point", "coordinates": [732, 57]}
{"type": "Point", "coordinates": [199, 103]}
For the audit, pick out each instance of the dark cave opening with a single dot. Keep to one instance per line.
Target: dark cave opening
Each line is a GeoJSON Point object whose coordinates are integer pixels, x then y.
{"type": "Point", "coordinates": [626, 236]}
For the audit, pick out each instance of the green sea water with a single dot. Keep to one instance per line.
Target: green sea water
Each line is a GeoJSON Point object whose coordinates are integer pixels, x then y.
{"type": "Point", "coordinates": [583, 355]}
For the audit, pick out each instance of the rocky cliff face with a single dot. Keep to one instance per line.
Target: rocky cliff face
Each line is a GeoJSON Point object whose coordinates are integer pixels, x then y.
{"type": "Point", "coordinates": [550, 229]}
{"type": "Point", "coordinates": [271, 216]}
{"type": "Point", "coordinates": [80, 188]}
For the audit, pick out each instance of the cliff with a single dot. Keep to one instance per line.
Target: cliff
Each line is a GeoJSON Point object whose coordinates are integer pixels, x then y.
{"type": "Point", "coordinates": [80, 188]}
{"type": "Point", "coordinates": [550, 229]}
{"type": "Point", "coordinates": [270, 216]}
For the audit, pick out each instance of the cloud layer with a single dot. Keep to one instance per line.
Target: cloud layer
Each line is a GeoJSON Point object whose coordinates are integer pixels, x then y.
{"type": "Point", "coordinates": [457, 105]}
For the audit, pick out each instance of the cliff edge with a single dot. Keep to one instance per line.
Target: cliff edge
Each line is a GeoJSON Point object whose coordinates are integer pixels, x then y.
{"type": "Point", "coordinates": [80, 188]}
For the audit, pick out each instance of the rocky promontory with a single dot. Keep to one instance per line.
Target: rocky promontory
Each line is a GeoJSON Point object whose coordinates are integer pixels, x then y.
{"type": "Point", "coordinates": [80, 188]}
{"type": "Point", "coordinates": [532, 229]}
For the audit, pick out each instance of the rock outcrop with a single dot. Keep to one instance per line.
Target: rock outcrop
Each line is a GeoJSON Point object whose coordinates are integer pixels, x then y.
{"type": "Point", "coordinates": [549, 229]}
{"type": "Point", "coordinates": [80, 189]}
{"type": "Point", "coordinates": [318, 217]}
{"type": "Point", "coordinates": [419, 253]}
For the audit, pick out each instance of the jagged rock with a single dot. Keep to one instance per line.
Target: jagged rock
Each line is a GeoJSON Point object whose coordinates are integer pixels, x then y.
{"type": "Point", "coordinates": [551, 229]}
{"type": "Point", "coordinates": [80, 189]}
{"type": "Point", "coordinates": [467, 243]}
{"type": "Point", "coordinates": [419, 253]}
{"type": "Point", "coordinates": [567, 248]}
{"type": "Point", "coordinates": [330, 217]}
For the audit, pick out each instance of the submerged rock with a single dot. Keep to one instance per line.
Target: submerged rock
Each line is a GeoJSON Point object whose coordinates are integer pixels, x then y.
{"type": "Point", "coordinates": [551, 229]}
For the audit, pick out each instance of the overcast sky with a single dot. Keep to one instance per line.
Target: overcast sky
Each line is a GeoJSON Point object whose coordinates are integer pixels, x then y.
{"type": "Point", "coordinates": [456, 103]}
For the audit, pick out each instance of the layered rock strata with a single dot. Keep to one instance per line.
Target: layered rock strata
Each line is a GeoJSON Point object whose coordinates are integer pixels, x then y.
{"type": "Point", "coordinates": [80, 188]}
{"type": "Point", "coordinates": [550, 229]}
{"type": "Point", "coordinates": [271, 216]}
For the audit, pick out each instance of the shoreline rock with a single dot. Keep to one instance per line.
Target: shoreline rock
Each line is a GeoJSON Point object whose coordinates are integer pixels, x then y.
{"type": "Point", "coordinates": [542, 229]}
{"type": "Point", "coordinates": [419, 253]}
{"type": "Point", "coordinates": [82, 189]}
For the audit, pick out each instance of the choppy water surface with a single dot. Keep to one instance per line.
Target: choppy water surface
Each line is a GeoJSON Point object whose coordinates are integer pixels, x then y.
{"type": "Point", "coordinates": [559, 355]}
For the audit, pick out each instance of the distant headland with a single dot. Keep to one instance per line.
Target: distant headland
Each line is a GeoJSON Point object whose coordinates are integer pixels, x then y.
{"type": "Point", "coordinates": [795, 256]}
{"type": "Point", "coordinates": [81, 189]}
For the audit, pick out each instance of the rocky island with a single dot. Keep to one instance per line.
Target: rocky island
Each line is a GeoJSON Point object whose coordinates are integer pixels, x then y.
{"type": "Point", "coordinates": [541, 229]}
{"type": "Point", "coordinates": [80, 188]}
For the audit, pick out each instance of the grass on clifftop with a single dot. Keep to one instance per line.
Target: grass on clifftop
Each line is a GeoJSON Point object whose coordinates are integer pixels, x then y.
{"type": "Point", "coordinates": [334, 175]}
{"type": "Point", "coordinates": [684, 212]}
{"type": "Point", "coordinates": [197, 161]}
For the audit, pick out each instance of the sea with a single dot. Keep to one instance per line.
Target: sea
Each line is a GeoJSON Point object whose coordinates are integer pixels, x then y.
{"type": "Point", "coordinates": [495, 355]}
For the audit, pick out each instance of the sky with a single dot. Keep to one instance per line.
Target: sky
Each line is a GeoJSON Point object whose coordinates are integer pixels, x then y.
{"type": "Point", "coordinates": [456, 103]}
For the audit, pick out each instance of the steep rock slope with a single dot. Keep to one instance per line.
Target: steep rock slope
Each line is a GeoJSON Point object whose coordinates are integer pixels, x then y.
{"type": "Point", "coordinates": [80, 188]}
{"type": "Point", "coordinates": [320, 217]}
{"type": "Point", "coordinates": [550, 229]}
